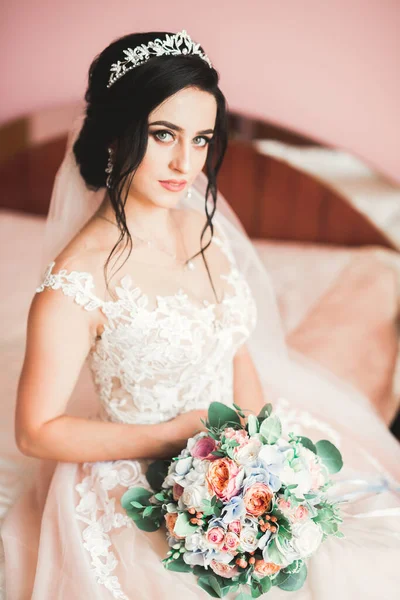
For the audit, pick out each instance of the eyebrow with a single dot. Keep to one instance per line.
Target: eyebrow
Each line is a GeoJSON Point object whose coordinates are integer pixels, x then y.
{"type": "Point", "coordinates": [177, 128]}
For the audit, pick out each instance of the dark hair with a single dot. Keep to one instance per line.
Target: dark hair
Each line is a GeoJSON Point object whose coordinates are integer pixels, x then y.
{"type": "Point", "coordinates": [119, 114]}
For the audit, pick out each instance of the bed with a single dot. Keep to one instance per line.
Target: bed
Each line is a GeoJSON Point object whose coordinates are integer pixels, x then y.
{"type": "Point", "coordinates": [336, 273]}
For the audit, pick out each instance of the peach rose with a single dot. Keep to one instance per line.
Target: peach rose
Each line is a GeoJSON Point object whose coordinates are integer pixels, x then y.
{"type": "Point", "coordinates": [231, 541]}
{"type": "Point", "coordinates": [262, 568]}
{"type": "Point", "coordinates": [227, 571]}
{"type": "Point", "coordinates": [257, 499]}
{"type": "Point", "coordinates": [224, 478]}
{"type": "Point", "coordinates": [235, 526]}
{"type": "Point", "coordinates": [170, 520]}
{"type": "Point", "coordinates": [215, 536]}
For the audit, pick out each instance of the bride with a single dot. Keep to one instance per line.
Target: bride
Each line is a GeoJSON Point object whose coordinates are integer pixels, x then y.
{"type": "Point", "coordinates": [150, 277]}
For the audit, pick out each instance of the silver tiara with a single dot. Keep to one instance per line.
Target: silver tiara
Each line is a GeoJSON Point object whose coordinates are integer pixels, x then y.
{"type": "Point", "coordinates": [178, 43]}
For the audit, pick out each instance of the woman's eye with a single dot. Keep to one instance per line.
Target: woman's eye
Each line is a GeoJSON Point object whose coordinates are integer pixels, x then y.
{"type": "Point", "coordinates": [161, 133]}
{"type": "Point", "coordinates": [206, 140]}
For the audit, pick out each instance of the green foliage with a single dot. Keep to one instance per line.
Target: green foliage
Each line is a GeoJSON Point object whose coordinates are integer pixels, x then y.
{"type": "Point", "coordinates": [329, 455]}
{"type": "Point", "coordinates": [253, 425]}
{"type": "Point", "coordinates": [210, 584]}
{"type": "Point", "coordinates": [274, 554]}
{"type": "Point", "coordinates": [147, 523]}
{"type": "Point", "coordinates": [157, 472]}
{"type": "Point", "coordinates": [178, 565]}
{"type": "Point", "coordinates": [220, 415]}
{"type": "Point", "coordinates": [307, 443]}
{"type": "Point", "coordinates": [265, 412]}
{"type": "Point", "coordinates": [271, 429]}
{"type": "Point", "coordinates": [290, 582]}
{"type": "Point", "coordinates": [137, 497]}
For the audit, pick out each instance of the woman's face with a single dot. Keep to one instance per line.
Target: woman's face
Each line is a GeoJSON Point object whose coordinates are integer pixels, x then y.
{"type": "Point", "coordinates": [178, 136]}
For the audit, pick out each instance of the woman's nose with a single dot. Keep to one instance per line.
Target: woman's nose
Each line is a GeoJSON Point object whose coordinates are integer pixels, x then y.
{"type": "Point", "coordinates": [181, 159]}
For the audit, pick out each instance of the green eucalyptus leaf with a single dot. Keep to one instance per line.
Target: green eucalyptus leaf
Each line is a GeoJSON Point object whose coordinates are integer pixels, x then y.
{"type": "Point", "coordinates": [271, 429]}
{"type": "Point", "coordinates": [273, 553]}
{"type": "Point", "coordinates": [266, 584]}
{"type": "Point", "coordinates": [178, 565]}
{"type": "Point", "coordinates": [135, 495]}
{"type": "Point", "coordinates": [265, 412]}
{"type": "Point", "coordinates": [307, 443]}
{"type": "Point", "coordinates": [157, 472]}
{"type": "Point", "coordinates": [252, 425]}
{"type": "Point", "coordinates": [329, 527]}
{"type": "Point", "coordinates": [290, 582]}
{"type": "Point", "coordinates": [329, 455]}
{"type": "Point", "coordinates": [147, 511]}
{"type": "Point", "coordinates": [147, 524]}
{"type": "Point", "coordinates": [203, 582]}
{"type": "Point", "coordinates": [256, 590]}
{"type": "Point", "coordinates": [219, 415]}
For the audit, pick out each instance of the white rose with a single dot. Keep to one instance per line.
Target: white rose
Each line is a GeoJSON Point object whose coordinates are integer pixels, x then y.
{"type": "Point", "coordinates": [287, 550]}
{"type": "Point", "coordinates": [183, 465]}
{"type": "Point", "coordinates": [301, 477]}
{"type": "Point", "coordinates": [248, 539]}
{"type": "Point", "coordinates": [248, 453]}
{"type": "Point", "coordinates": [195, 542]}
{"type": "Point", "coordinates": [306, 537]}
{"type": "Point", "coordinates": [192, 496]}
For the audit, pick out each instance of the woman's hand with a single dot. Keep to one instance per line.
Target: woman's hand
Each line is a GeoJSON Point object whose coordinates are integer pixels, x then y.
{"type": "Point", "coordinates": [183, 427]}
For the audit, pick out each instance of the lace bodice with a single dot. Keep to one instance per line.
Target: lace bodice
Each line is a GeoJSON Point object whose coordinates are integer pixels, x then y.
{"type": "Point", "coordinates": [153, 362]}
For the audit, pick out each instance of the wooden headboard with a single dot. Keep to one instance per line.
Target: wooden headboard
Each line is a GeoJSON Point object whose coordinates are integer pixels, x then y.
{"type": "Point", "coordinates": [273, 199]}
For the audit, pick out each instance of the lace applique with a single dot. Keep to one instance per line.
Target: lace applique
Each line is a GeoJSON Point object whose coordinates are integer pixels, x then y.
{"type": "Point", "coordinates": [76, 284]}
{"type": "Point", "coordinates": [97, 510]}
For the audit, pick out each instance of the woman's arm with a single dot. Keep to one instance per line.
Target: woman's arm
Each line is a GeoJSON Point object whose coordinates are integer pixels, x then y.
{"type": "Point", "coordinates": [247, 388]}
{"type": "Point", "coordinates": [58, 341]}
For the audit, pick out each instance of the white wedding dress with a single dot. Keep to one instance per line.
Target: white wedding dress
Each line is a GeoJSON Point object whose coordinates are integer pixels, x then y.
{"type": "Point", "coordinates": [159, 355]}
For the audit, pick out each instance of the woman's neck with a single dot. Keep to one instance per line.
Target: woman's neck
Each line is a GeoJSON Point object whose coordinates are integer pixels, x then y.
{"type": "Point", "coordinates": [142, 217]}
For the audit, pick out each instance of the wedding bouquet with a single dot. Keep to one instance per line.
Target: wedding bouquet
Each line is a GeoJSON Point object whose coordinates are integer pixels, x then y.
{"type": "Point", "coordinates": [243, 504]}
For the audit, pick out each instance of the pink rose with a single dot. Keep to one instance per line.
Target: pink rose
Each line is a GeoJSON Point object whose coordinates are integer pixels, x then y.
{"type": "Point", "coordinates": [203, 448]}
{"type": "Point", "coordinates": [224, 478]}
{"type": "Point", "coordinates": [301, 513]}
{"type": "Point", "coordinates": [231, 541]}
{"type": "Point", "coordinates": [215, 536]}
{"type": "Point", "coordinates": [317, 475]}
{"type": "Point", "coordinates": [284, 504]}
{"type": "Point", "coordinates": [239, 435]}
{"type": "Point", "coordinates": [227, 571]}
{"type": "Point", "coordinates": [257, 499]}
{"type": "Point", "coordinates": [177, 491]}
{"type": "Point", "coordinates": [235, 526]}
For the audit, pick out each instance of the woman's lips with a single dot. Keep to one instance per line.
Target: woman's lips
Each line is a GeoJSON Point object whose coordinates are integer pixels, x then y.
{"type": "Point", "coordinates": [173, 187]}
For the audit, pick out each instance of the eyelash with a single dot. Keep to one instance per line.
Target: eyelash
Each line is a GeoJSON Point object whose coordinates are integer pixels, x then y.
{"type": "Point", "coordinates": [155, 133]}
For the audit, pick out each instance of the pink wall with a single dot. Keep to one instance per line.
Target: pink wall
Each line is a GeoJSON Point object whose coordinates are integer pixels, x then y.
{"type": "Point", "coordinates": [326, 69]}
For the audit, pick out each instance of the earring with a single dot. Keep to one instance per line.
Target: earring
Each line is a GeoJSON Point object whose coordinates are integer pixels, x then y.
{"type": "Point", "coordinates": [109, 167]}
{"type": "Point", "coordinates": [189, 193]}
